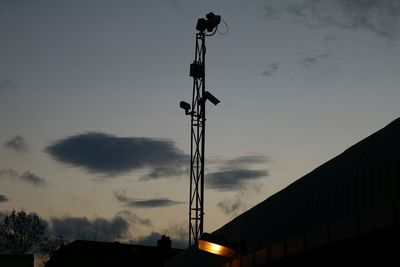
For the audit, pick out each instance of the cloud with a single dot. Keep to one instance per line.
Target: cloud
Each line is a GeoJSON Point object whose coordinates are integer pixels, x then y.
{"type": "Point", "coordinates": [381, 17]}
{"type": "Point", "coordinates": [7, 86]}
{"type": "Point", "coordinates": [233, 206]}
{"type": "Point", "coordinates": [233, 179]}
{"type": "Point", "coordinates": [17, 143]}
{"type": "Point", "coordinates": [235, 174]}
{"type": "Point", "coordinates": [97, 229]}
{"type": "Point", "coordinates": [309, 61]}
{"type": "Point", "coordinates": [271, 69]}
{"type": "Point", "coordinates": [177, 232]}
{"type": "Point", "coordinates": [27, 177]}
{"type": "Point", "coordinates": [133, 218]}
{"type": "Point", "coordinates": [110, 155]}
{"type": "Point", "coordinates": [304, 60]}
{"type": "Point", "coordinates": [33, 179]}
{"type": "Point", "coordinates": [140, 203]}
{"type": "Point", "coordinates": [164, 171]}
{"type": "Point", "coordinates": [247, 159]}
{"type": "Point", "coordinates": [3, 198]}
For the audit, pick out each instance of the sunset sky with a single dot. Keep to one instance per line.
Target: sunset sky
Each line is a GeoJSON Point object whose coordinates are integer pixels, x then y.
{"type": "Point", "coordinates": [92, 137]}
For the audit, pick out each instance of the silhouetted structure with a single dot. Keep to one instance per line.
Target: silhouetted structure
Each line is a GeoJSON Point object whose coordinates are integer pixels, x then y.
{"type": "Point", "coordinates": [93, 253]}
{"type": "Point", "coordinates": [26, 260]}
{"type": "Point", "coordinates": [198, 125]}
{"type": "Point", "coordinates": [344, 213]}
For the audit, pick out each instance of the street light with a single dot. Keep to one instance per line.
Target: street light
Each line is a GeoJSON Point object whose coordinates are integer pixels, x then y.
{"type": "Point", "coordinates": [216, 245]}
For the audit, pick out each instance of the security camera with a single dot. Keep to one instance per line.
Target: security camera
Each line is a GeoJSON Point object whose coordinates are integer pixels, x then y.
{"type": "Point", "coordinates": [186, 106]}
{"type": "Point", "coordinates": [211, 98]}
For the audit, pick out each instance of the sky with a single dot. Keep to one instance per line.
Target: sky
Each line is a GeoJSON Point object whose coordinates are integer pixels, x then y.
{"type": "Point", "coordinates": [92, 137]}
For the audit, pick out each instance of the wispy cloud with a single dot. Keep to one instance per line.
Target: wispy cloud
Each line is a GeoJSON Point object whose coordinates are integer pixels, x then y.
{"type": "Point", "coordinates": [232, 206]}
{"type": "Point", "coordinates": [3, 198]}
{"type": "Point", "coordinates": [247, 160]}
{"type": "Point", "coordinates": [134, 218]}
{"type": "Point", "coordinates": [82, 228]}
{"type": "Point", "coordinates": [309, 61]}
{"type": "Point", "coordinates": [303, 60]}
{"type": "Point", "coordinates": [163, 171]}
{"type": "Point", "coordinates": [110, 155]}
{"type": "Point", "coordinates": [17, 143]}
{"type": "Point", "coordinates": [141, 203]}
{"type": "Point", "coordinates": [32, 179]}
{"type": "Point", "coordinates": [271, 69]}
{"type": "Point", "coordinates": [27, 177]}
{"type": "Point", "coordinates": [381, 17]}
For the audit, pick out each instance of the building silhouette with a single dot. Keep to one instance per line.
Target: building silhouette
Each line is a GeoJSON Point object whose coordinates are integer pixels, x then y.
{"type": "Point", "coordinates": [94, 253]}
{"type": "Point", "coordinates": [344, 213]}
{"type": "Point", "coordinates": [25, 260]}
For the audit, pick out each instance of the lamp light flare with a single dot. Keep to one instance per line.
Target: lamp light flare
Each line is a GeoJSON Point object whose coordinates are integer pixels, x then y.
{"type": "Point", "coordinates": [216, 249]}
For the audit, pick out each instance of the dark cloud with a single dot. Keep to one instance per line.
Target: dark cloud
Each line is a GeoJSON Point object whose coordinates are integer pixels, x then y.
{"type": "Point", "coordinates": [3, 198]}
{"type": "Point", "coordinates": [178, 234]}
{"type": "Point", "coordinates": [140, 203]}
{"type": "Point", "coordinates": [235, 174]}
{"type": "Point", "coordinates": [233, 179]}
{"type": "Point", "coordinates": [27, 177]}
{"type": "Point", "coordinates": [7, 86]}
{"type": "Point", "coordinates": [381, 17]}
{"type": "Point", "coordinates": [152, 203]}
{"type": "Point", "coordinates": [248, 159]}
{"type": "Point", "coordinates": [33, 179]}
{"type": "Point", "coordinates": [82, 228]}
{"type": "Point", "coordinates": [134, 218]}
{"type": "Point", "coordinates": [17, 143]}
{"type": "Point", "coordinates": [110, 155]}
{"type": "Point", "coordinates": [231, 207]}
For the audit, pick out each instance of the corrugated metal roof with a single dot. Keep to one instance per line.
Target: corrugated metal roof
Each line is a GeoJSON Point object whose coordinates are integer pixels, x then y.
{"type": "Point", "coordinates": [364, 176]}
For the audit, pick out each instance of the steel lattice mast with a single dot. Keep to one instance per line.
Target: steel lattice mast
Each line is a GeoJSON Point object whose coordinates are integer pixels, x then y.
{"type": "Point", "coordinates": [198, 123]}
{"type": "Point", "coordinates": [197, 111]}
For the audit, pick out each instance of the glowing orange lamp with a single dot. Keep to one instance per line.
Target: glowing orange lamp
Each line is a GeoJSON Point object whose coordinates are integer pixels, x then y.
{"type": "Point", "coordinates": [210, 244]}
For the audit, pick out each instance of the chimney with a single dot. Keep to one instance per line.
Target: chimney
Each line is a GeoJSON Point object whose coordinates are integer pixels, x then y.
{"type": "Point", "coordinates": [164, 242]}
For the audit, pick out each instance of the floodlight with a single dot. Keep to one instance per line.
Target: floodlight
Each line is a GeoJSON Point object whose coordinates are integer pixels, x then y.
{"type": "Point", "coordinates": [212, 21]}
{"type": "Point", "coordinates": [201, 25]}
{"type": "Point", "coordinates": [186, 106]}
{"type": "Point", "coordinates": [213, 99]}
{"type": "Point", "coordinates": [208, 24]}
{"type": "Point", "coordinates": [216, 245]}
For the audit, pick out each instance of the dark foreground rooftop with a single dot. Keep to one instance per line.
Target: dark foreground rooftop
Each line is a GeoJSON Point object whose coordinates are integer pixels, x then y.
{"type": "Point", "coordinates": [94, 253]}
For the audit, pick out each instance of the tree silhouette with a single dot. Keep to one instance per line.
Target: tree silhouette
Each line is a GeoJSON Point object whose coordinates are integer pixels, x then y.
{"type": "Point", "coordinates": [20, 232]}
